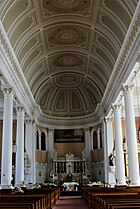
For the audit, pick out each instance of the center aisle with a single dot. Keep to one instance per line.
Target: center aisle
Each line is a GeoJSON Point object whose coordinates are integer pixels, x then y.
{"type": "Point", "coordinates": [71, 202]}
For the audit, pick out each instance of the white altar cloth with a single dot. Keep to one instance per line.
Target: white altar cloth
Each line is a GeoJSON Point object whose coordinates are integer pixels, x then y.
{"type": "Point", "coordinates": [70, 186]}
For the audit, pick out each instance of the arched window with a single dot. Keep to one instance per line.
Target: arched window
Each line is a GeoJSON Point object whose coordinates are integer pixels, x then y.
{"type": "Point", "coordinates": [37, 140]}
{"type": "Point", "coordinates": [43, 141]}
{"type": "Point", "coordinates": [95, 140]}
{"type": "Point", "coordinates": [101, 145]}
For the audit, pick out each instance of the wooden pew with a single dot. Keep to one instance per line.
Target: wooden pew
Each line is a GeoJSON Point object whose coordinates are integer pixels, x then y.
{"type": "Point", "coordinates": [111, 198]}
{"type": "Point", "coordinates": [109, 202]}
{"type": "Point", "coordinates": [89, 193]}
{"type": "Point", "coordinates": [36, 201]}
{"type": "Point", "coordinates": [15, 205]}
{"type": "Point", "coordinates": [41, 198]}
{"type": "Point", "coordinates": [52, 195]}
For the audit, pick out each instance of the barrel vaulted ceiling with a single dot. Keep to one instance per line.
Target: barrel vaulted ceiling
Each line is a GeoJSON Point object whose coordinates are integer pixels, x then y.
{"type": "Point", "coordinates": [67, 49]}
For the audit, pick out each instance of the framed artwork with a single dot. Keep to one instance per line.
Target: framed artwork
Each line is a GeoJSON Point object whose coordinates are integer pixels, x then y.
{"type": "Point", "coordinates": [68, 135]}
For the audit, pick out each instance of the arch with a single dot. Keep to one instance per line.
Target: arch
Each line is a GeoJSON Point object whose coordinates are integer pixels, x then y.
{"type": "Point", "coordinates": [37, 139]}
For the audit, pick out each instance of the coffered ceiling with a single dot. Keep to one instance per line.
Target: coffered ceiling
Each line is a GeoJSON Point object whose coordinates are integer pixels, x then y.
{"type": "Point", "coordinates": [67, 49]}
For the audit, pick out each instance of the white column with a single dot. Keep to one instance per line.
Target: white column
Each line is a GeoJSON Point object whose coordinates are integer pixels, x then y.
{"type": "Point", "coordinates": [33, 161]}
{"type": "Point", "coordinates": [87, 148]}
{"type": "Point", "coordinates": [91, 140]}
{"type": "Point", "coordinates": [120, 168]}
{"type": "Point", "coordinates": [108, 148]}
{"type": "Point", "coordinates": [39, 140]}
{"type": "Point", "coordinates": [102, 128]}
{"type": "Point", "coordinates": [29, 149]}
{"type": "Point", "coordinates": [19, 176]}
{"type": "Point", "coordinates": [98, 138]}
{"type": "Point", "coordinates": [6, 163]}
{"type": "Point", "coordinates": [133, 163]}
{"type": "Point", "coordinates": [50, 148]}
{"type": "Point", "coordinates": [30, 145]}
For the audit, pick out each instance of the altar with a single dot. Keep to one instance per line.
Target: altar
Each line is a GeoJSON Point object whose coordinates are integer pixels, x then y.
{"type": "Point", "coordinates": [69, 169]}
{"type": "Point", "coordinates": [70, 186]}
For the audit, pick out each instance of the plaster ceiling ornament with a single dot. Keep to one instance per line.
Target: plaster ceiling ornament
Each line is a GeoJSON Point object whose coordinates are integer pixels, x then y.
{"type": "Point", "coordinates": [53, 7]}
{"type": "Point", "coordinates": [68, 56]}
{"type": "Point", "coordinates": [66, 4]}
{"type": "Point", "coordinates": [67, 60]}
{"type": "Point", "coordinates": [69, 80]}
{"type": "Point", "coordinates": [68, 35]}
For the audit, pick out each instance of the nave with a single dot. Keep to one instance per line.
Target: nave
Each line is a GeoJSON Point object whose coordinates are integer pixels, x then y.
{"type": "Point", "coordinates": [69, 76]}
{"type": "Point", "coordinates": [120, 197]}
{"type": "Point", "coordinates": [71, 202]}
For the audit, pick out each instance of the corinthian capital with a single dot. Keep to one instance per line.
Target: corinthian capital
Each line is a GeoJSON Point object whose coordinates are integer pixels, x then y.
{"type": "Point", "coordinates": [29, 121]}
{"type": "Point", "coordinates": [8, 91]}
{"type": "Point", "coordinates": [128, 88]}
{"type": "Point", "coordinates": [20, 109]}
{"type": "Point", "coordinates": [116, 107]}
{"type": "Point", "coordinates": [138, 58]}
{"type": "Point", "coordinates": [108, 119]}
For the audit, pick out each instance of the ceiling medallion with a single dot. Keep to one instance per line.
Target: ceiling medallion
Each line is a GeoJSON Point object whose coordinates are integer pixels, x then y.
{"type": "Point", "coordinates": [66, 4]}
{"type": "Point", "coordinates": [67, 60]}
{"type": "Point", "coordinates": [67, 79]}
{"type": "Point", "coordinates": [68, 35]}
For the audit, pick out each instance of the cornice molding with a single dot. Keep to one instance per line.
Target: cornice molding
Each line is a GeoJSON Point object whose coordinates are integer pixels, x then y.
{"type": "Point", "coordinates": [15, 70]}
{"type": "Point", "coordinates": [123, 57]}
{"type": "Point", "coordinates": [81, 121]}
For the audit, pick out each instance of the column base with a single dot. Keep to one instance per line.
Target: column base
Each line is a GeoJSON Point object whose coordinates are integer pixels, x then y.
{"type": "Point", "coordinates": [7, 186]}
{"type": "Point", "coordinates": [112, 169]}
{"type": "Point", "coordinates": [134, 183]}
{"type": "Point", "coordinates": [20, 185]}
{"type": "Point", "coordinates": [121, 184]}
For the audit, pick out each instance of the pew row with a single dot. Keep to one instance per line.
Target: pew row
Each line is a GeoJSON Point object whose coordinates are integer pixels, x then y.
{"type": "Point", "coordinates": [32, 199]}
{"type": "Point", "coordinates": [111, 198]}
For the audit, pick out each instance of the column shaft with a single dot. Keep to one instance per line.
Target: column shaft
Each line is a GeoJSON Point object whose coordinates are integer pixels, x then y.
{"type": "Point", "coordinates": [30, 145]}
{"type": "Point", "coordinates": [108, 148]}
{"type": "Point", "coordinates": [120, 168]}
{"type": "Point", "coordinates": [19, 177]}
{"type": "Point", "coordinates": [88, 148]}
{"type": "Point", "coordinates": [50, 148]}
{"type": "Point", "coordinates": [6, 163]}
{"type": "Point", "coordinates": [133, 163]}
{"type": "Point", "coordinates": [98, 139]}
{"type": "Point", "coordinates": [33, 162]}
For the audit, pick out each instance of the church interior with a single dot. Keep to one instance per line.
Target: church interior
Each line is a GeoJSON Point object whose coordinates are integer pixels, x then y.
{"type": "Point", "coordinates": [69, 93]}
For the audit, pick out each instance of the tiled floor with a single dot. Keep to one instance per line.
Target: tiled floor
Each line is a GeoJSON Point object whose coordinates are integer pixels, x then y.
{"type": "Point", "coordinates": [70, 202]}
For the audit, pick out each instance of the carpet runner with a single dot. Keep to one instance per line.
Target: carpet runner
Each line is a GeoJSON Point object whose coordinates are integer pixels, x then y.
{"type": "Point", "coordinates": [70, 193]}
{"type": "Point", "coordinates": [70, 202]}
